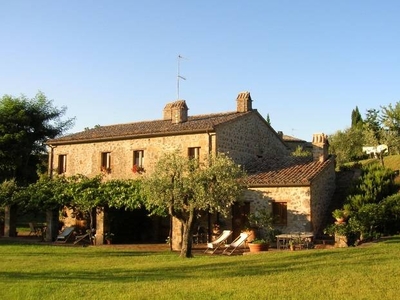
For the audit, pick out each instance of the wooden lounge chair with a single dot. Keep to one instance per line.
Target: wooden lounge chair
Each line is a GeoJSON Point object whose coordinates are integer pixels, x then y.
{"type": "Point", "coordinates": [34, 229]}
{"type": "Point", "coordinates": [214, 245]}
{"type": "Point", "coordinates": [65, 235]}
{"type": "Point", "coordinates": [240, 240]}
{"type": "Point", "coordinates": [85, 238]}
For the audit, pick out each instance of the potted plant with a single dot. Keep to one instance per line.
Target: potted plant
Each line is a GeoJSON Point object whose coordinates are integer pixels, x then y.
{"type": "Point", "coordinates": [291, 244]}
{"type": "Point", "coordinates": [340, 215]}
{"type": "Point", "coordinates": [261, 220]}
{"type": "Point", "coordinates": [109, 237]}
{"type": "Point", "coordinates": [258, 245]}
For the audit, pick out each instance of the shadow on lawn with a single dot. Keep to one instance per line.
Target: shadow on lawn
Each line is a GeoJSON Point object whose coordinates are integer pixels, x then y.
{"type": "Point", "coordinates": [202, 266]}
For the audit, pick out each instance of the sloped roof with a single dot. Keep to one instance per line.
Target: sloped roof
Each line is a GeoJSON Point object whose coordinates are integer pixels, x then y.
{"type": "Point", "coordinates": [199, 123]}
{"type": "Point", "coordinates": [289, 171]}
{"type": "Point", "coordinates": [289, 138]}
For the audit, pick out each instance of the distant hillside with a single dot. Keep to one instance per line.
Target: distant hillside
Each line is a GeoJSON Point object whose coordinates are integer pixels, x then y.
{"type": "Point", "coordinates": [391, 162]}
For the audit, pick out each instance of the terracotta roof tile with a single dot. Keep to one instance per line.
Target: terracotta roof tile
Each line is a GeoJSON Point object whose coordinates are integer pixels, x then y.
{"type": "Point", "coordinates": [286, 171]}
{"type": "Point", "coordinates": [288, 138]}
{"type": "Point", "coordinates": [150, 128]}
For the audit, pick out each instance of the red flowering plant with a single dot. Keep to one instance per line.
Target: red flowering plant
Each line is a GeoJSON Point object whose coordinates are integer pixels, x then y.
{"type": "Point", "coordinates": [137, 169]}
{"type": "Point", "coordinates": [105, 170]}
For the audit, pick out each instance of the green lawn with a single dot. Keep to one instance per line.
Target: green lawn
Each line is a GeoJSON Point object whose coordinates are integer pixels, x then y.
{"type": "Point", "coordinates": [107, 272]}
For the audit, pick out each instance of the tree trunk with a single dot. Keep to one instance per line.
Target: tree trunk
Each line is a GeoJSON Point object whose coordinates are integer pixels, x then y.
{"type": "Point", "coordinates": [187, 239]}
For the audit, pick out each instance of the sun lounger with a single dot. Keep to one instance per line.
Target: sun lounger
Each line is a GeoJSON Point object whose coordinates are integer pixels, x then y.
{"type": "Point", "coordinates": [221, 240]}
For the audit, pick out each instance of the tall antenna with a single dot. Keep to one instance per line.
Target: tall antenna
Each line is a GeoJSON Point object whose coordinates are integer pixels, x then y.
{"type": "Point", "coordinates": [178, 77]}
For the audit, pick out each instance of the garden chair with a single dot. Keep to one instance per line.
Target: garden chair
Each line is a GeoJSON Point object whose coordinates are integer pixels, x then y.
{"type": "Point", "coordinates": [65, 235]}
{"type": "Point", "coordinates": [214, 245]}
{"type": "Point", "coordinates": [34, 229]}
{"type": "Point", "coordinates": [239, 241]}
{"type": "Point", "coordinates": [85, 238]}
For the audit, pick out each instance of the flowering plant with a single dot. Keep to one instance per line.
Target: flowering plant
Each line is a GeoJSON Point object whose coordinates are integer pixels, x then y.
{"type": "Point", "coordinates": [105, 170]}
{"type": "Point", "coordinates": [109, 236]}
{"type": "Point", "coordinates": [137, 169]}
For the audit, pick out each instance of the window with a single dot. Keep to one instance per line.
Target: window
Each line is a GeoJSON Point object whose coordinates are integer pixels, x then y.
{"type": "Point", "coordinates": [279, 213]}
{"type": "Point", "coordinates": [194, 152]}
{"type": "Point", "coordinates": [138, 158]}
{"type": "Point", "coordinates": [62, 164]}
{"type": "Point", "coordinates": [106, 162]}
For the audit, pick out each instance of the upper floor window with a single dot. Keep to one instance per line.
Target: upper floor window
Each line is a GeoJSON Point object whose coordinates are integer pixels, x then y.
{"type": "Point", "coordinates": [62, 164]}
{"type": "Point", "coordinates": [194, 152]}
{"type": "Point", "coordinates": [279, 213]}
{"type": "Point", "coordinates": [106, 162]}
{"type": "Point", "coordinates": [138, 158]}
{"type": "Point", "coordinates": [138, 161]}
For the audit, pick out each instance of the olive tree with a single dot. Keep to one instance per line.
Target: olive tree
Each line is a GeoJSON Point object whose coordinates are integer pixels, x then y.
{"type": "Point", "coordinates": [183, 188]}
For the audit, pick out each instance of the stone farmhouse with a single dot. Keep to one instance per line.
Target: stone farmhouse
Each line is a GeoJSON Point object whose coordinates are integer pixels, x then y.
{"type": "Point", "coordinates": [297, 190]}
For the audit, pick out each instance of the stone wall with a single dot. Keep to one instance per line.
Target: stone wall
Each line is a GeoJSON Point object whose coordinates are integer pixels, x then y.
{"type": "Point", "coordinates": [248, 138]}
{"type": "Point", "coordinates": [306, 205]}
{"type": "Point", "coordinates": [86, 158]}
{"type": "Point", "coordinates": [322, 190]}
{"type": "Point", "coordinates": [298, 204]}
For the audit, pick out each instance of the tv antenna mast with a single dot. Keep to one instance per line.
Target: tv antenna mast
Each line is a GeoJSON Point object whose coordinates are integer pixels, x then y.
{"type": "Point", "coordinates": [178, 77]}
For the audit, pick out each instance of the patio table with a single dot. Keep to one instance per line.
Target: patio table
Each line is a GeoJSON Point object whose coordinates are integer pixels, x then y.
{"type": "Point", "coordinates": [304, 237]}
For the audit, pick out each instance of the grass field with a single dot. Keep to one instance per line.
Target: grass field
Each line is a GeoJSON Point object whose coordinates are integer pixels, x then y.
{"type": "Point", "coordinates": [36, 271]}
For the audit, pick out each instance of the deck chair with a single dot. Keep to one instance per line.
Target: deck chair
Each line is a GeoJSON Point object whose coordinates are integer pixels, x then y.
{"type": "Point", "coordinates": [65, 235]}
{"type": "Point", "coordinates": [240, 240]}
{"type": "Point", "coordinates": [85, 238]}
{"type": "Point", "coordinates": [214, 245]}
{"type": "Point", "coordinates": [33, 229]}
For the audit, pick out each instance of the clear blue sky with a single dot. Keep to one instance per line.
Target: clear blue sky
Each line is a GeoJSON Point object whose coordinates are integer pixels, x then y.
{"type": "Point", "coordinates": [307, 64]}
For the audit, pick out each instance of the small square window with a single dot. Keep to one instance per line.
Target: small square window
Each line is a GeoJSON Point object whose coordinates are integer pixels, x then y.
{"type": "Point", "coordinates": [194, 152]}
{"type": "Point", "coordinates": [279, 213]}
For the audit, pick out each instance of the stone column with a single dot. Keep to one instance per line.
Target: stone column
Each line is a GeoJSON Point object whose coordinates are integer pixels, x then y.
{"type": "Point", "coordinates": [10, 221]}
{"type": "Point", "coordinates": [101, 225]}
{"type": "Point", "coordinates": [340, 241]}
{"type": "Point", "coordinates": [52, 225]}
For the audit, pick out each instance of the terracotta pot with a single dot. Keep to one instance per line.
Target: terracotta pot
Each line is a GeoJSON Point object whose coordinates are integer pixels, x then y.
{"type": "Point", "coordinates": [108, 242]}
{"type": "Point", "coordinates": [258, 247]}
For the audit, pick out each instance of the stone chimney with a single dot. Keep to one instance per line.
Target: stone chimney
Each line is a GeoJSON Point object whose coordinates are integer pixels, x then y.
{"type": "Point", "coordinates": [320, 147]}
{"type": "Point", "coordinates": [167, 114]}
{"type": "Point", "coordinates": [179, 111]}
{"type": "Point", "coordinates": [176, 111]}
{"type": "Point", "coordinates": [243, 102]}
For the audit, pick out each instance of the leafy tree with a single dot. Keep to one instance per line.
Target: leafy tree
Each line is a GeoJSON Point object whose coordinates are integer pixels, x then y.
{"type": "Point", "coordinates": [391, 206]}
{"type": "Point", "coordinates": [356, 119]}
{"type": "Point", "coordinates": [370, 212]}
{"type": "Point", "coordinates": [390, 119]}
{"type": "Point", "coordinates": [185, 188]}
{"type": "Point", "coordinates": [347, 145]}
{"type": "Point", "coordinates": [122, 193]}
{"type": "Point", "coordinates": [375, 183]}
{"type": "Point", "coordinates": [301, 152]}
{"type": "Point", "coordinates": [47, 193]}
{"type": "Point", "coordinates": [8, 188]}
{"type": "Point", "coordinates": [372, 123]}
{"type": "Point", "coordinates": [86, 194]}
{"type": "Point", "coordinates": [268, 119]}
{"type": "Point", "coordinates": [25, 125]}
